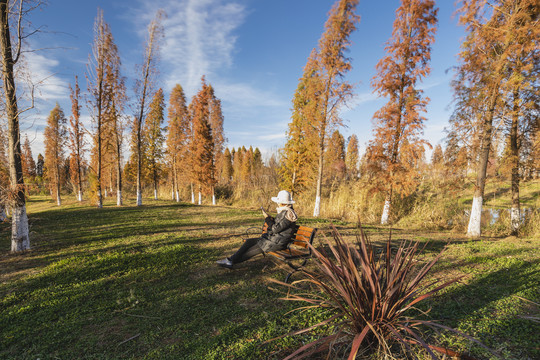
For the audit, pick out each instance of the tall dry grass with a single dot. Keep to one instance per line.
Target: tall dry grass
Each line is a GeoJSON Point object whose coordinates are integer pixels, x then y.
{"type": "Point", "coordinates": [436, 204]}
{"type": "Point", "coordinates": [531, 227]}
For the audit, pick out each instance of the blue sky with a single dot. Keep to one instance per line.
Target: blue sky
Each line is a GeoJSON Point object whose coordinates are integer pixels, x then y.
{"type": "Point", "coordinates": [252, 52]}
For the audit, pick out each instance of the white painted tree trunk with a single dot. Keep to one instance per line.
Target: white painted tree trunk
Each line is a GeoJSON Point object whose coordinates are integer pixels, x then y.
{"type": "Point", "coordinates": [79, 197]}
{"type": "Point", "coordinates": [213, 199]}
{"type": "Point", "coordinates": [177, 196]}
{"type": "Point", "coordinates": [473, 229]}
{"type": "Point", "coordinates": [515, 218]}
{"type": "Point", "coordinates": [200, 198]}
{"type": "Point", "coordinates": [385, 217]}
{"type": "Point", "coordinates": [119, 201]}
{"type": "Point", "coordinates": [317, 209]}
{"type": "Point", "coordinates": [106, 193]}
{"type": "Point", "coordinates": [100, 200]}
{"type": "Point", "coordinates": [139, 197]}
{"type": "Point", "coordinates": [155, 194]}
{"type": "Point", "coordinates": [172, 194]}
{"type": "Point", "coordinates": [192, 197]}
{"type": "Point", "coordinates": [19, 229]}
{"type": "Point", "coordinates": [58, 200]}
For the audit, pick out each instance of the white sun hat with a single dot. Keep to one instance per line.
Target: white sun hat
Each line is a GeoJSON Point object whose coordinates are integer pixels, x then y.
{"type": "Point", "coordinates": [283, 197]}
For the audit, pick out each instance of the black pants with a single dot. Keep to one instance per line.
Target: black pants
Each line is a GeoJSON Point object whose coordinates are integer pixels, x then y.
{"type": "Point", "coordinates": [249, 249]}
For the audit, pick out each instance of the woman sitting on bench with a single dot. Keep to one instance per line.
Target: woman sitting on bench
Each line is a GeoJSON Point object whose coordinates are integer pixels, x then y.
{"type": "Point", "coordinates": [279, 234]}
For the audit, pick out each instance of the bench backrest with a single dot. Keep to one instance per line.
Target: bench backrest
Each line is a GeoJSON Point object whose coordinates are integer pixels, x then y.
{"type": "Point", "coordinates": [302, 236]}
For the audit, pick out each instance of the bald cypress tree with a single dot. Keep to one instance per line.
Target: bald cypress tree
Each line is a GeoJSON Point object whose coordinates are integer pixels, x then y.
{"type": "Point", "coordinates": [102, 63]}
{"type": "Point", "coordinates": [227, 166]}
{"type": "Point", "coordinates": [215, 120]}
{"type": "Point", "coordinates": [335, 157]}
{"type": "Point", "coordinates": [154, 138]}
{"type": "Point", "coordinates": [299, 159]}
{"type": "Point", "coordinates": [76, 140]}
{"type": "Point", "coordinates": [522, 90]}
{"type": "Point", "coordinates": [331, 90]}
{"type": "Point", "coordinates": [398, 126]}
{"type": "Point", "coordinates": [144, 89]}
{"type": "Point", "coordinates": [178, 136]}
{"type": "Point", "coordinates": [20, 239]}
{"type": "Point", "coordinates": [496, 31]}
{"type": "Point", "coordinates": [202, 145]}
{"type": "Point", "coordinates": [29, 165]}
{"type": "Point", "coordinates": [352, 157]}
{"type": "Point", "coordinates": [55, 141]}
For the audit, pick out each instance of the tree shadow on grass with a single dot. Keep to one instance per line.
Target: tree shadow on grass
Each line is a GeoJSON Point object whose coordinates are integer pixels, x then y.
{"type": "Point", "coordinates": [174, 296]}
{"type": "Point", "coordinates": [58, 234]}
{"type": "Point", "coordinates": [533, 196]}
{"type": "Point", "coordinates": [497, 193]}
{"type": "Point", "coordinates": [486, 309]}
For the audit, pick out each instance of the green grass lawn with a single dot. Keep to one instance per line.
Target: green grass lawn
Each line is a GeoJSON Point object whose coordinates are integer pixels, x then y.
{"type": "Point", "coordinates": [141, 283]}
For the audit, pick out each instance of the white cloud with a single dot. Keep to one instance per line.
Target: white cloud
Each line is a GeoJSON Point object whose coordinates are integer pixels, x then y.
{"type": "Point", "coordinates": [48, 86]}
{"type": "Point", "coordinates": [271, 137]}
{"type": "Point", "coordinates": [39, 71]}
{"type": "Point", "coordinates": [434, 83]}
{"type": "Point", "coordinates": [199, 37]}
{"type": "Point", "coordinates": [359, 99]}
{"type": "Point", "coordinates": [246, 96]}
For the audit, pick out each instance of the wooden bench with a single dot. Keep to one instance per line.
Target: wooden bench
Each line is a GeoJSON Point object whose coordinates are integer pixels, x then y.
{"type": "Point", "coordinates": [297, 252]}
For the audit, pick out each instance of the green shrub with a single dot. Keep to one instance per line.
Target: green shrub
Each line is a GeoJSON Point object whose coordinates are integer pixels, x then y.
{"type": "Point", "coordinates": [370, 297]}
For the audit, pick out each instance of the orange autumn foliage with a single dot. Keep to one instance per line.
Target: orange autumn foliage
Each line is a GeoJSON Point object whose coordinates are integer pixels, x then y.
{"type": "Point", "coordinates": [398, 126]}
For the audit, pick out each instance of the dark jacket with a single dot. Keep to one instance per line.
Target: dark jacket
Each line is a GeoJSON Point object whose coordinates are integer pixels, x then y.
{"type": "Point", "coordinates": [280, 231]}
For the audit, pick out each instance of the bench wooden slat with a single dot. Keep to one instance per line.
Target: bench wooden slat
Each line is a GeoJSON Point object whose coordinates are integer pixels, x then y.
{"type": "Point", "coordinates": [303, 230]}
{"type": "Point", "coordinates": [288, 254]}
{"type": "Point", "coordinates": [297, 249]}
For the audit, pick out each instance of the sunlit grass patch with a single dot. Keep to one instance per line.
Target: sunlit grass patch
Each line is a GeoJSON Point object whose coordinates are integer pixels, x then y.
{"type": "Point", "coordinates": [141, 282]}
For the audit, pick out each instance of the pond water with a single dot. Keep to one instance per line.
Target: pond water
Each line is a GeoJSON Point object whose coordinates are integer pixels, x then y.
{"type": "Point", "coordinates": [491, 216]}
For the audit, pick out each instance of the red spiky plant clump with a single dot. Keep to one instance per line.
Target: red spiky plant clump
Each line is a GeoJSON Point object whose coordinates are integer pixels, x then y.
{"type": "Point", "coordinates": [369, 296]}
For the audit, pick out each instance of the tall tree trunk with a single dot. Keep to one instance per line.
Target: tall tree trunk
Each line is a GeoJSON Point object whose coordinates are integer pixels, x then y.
{"type": "Point", "coordinates": [139, 130]}
{"type": "Point", "coordinates": [98, 130]}
{"type": "Point", "coordinates": [155, 184]}
{"type": "Point", "coordinates": [79, 178]}
{"type": "Point", "coordinates": [322, 134]}
{"type": "Point", "coordinates": [19, 220]}
{"type": "Point", "coordinates": [474, 228]}
{"type": "Point", "coordinates": [119, 201]}
{"type": "Point", "coordinates": [317, 209]}
{"type": "Point", "coordinates": [139, 165]}
{"type": "Point", "coordinates": [175, 181]}
{"type": "Point", "coordinates": [192, 194]}
{"type": "Point", "coordinates": [173, 177]}
{"type": "Point", "coordinates": [3, 215]}
{"type": "Point", "coordinates": [58, 198]}
{"type": "Point", "coordinates": [385, 217]}
{"type": "Point", "coordinates": [514, 149]}
{"type": "Point", "coordinates": [111, 180]}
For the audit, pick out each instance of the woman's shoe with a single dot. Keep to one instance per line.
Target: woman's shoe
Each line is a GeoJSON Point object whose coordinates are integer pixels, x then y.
{"type": "Point", "coordinates": [226, 263]}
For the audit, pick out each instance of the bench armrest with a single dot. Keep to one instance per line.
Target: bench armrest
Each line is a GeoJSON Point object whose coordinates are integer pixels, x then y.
{"type": "Point", "coordinates": [254, 230]}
